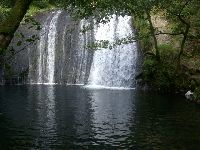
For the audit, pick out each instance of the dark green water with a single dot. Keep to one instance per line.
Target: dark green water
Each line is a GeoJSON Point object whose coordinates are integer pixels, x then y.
{"type": "Point", "coordinates": [59, 117]}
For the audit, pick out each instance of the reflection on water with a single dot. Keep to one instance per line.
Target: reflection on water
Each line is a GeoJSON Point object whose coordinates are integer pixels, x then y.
{"type": "Point", "coordinates": [46, 116]}
{"type": "Point", "coordinates": [111, 116]}
{"type": "Point", "coordinates": [59, 117]}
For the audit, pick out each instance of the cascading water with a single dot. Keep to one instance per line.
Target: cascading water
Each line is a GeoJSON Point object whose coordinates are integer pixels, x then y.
{"type": "Point", "coordinates": [51, 48]}
{"type": "Point", "coordinates": [41, 48]}
{"type": "Point", "coordinates": [115, 67]}
{"type": "Point", "coordinates": [46, 69]}
{"type": "Point", "coordinates": [62, 56]}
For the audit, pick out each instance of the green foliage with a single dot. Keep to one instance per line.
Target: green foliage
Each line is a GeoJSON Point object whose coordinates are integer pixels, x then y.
{"type": "Point", "coordinates": [4, 12]}
{"type": "Point", "coordinates": [197, 93]}
{"type": "Point", "coordinates": [142, 33]}
{"type": "Point", "coordinates": [167, 52]}
{"type": "Point", "coordinates": [181, 14]}
{"type": "Point", "coordinates": [19, 43]}
{"type": "Point", "coordinates": [32, 23]}
{"type": "Point", "coordinates": [41, 4]}
{"type": "Point", "coordinates": [2, 51]}
{"type": "Point", "coordinates": [149, 68]}
{"type": "Point", "coordinates": [155, 74]}
{"type": "Point", "coordinates": [7, 3]}
{"type": "Point", "coordinates": [162, 75]}
{"type": "Point", "coordinates": [98, 44]}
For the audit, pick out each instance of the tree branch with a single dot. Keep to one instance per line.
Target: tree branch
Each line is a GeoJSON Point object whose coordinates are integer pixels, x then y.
{"type": "Point", "coordinates": [159, 33]}
{"type": "Point", "coordinates": [186, 3]}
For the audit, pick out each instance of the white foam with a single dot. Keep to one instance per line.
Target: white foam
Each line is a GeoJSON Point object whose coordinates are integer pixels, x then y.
{"type": "Point", "coordinates": [43, 83]}
{"type": "Point", "coordinates": [107, 87]}
{"type": "Point", "coordinates": [75, 84]}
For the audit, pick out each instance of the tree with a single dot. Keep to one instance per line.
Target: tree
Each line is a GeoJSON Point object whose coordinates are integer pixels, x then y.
{"type": "Point", "coordinates": [183, 15]}
{"type": "Point", "coordinates": [12, 22]}
{"type": "Point", "coordinates": [100, 9]}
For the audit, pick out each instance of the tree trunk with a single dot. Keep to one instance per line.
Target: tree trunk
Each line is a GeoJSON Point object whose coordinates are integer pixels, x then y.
{"type": "Point", "coordinates": [185, 35]}
{"type": "Point", "coordinates": [12, 22]}
{"type": "Point", "coordinates": [183, 43]}
{"type": "Point", "coordinates": [152, 30]}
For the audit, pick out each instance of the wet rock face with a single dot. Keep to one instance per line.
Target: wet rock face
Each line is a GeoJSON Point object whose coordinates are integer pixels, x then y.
{"type": "Point", "coordinates": [20, 61]}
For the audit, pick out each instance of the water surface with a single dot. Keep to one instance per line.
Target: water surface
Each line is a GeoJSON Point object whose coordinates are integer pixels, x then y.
{"type": "Point", "coordinates": [73, 117]}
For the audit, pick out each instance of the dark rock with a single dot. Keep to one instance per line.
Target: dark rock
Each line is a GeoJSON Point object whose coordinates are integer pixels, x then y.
{"type": "Point", "coordinates": [198, 101]}
{"type": "Point", "coordinates": [139, 76]}
{"type": "Point", "coordinates": [1, 37]}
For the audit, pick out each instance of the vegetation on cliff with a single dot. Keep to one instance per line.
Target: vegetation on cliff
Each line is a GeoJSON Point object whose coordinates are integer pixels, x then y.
{"type": "Point", "coordinates": [176, 26]}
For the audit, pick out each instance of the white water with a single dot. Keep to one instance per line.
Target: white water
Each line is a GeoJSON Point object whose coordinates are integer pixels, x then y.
{"type": "Point", "coordinates": [46, 58]}
{"type": "Point", "coordinates": [100, 87]}
{"type": "Point", "coordinates": [41, 47]}
{"type": "Point", "coordinates": [115, 67]}
{"type": "Point", "coordinates": [63, 49]}
{"type": "Point", "coordinates": [51, 48]}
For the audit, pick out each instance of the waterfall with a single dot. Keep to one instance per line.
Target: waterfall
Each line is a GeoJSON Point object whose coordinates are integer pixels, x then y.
{"type": "Point", "coordinates": [41, 48]}
{"type": "Point", "coordinates": [46, 64]}
{"type": "Point", "coordinates": [115, 67]}
{"type": "Point", "coordinates": [62, 55]}
{"type": "Point", "coordinates": [51, 48]}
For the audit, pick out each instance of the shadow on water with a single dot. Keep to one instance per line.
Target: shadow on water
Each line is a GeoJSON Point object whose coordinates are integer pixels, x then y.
{"type": "Point", "coordinates": [72, 117]}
